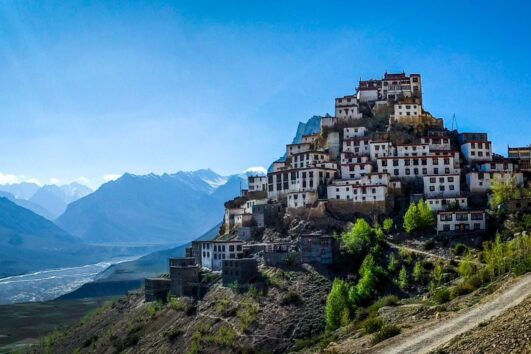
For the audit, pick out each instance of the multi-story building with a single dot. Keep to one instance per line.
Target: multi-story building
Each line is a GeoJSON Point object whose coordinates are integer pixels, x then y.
{"type": "Point", "coordinates": [301, 199]}
{"type": "Point", "coordinates": [453, 203]}
{"type": "Point", "coordinates": [355, 170]}
{"type": "Point", "coordinates": [496, 166]}
{"type": "Point", "coordinates": [399, 86]}
{"type": "Point", "coordinates": [300, 180]}
{"type": "Point", "coordinates": [257, 183]}
{"type": "Point", "coordinates": [308, 158]}
{"type": "Point", "coordinates": [298, 148]}
{"type": "Point", "coordinates": [441, 143]}
{"type": "Point", "coordinates": [476, 150]}
{"type": "Point", "coordinates": [412, 150]}
{"type": "Point", "coordinates": [349, 157]}
{"type": "Point", "coordinates": [521, 156]}
{"type": "Point", "coordinates": [481, 182]}
{"type": "Point", "coordinates": [442, 185]}
{"type": "Point", "coordinates": [460, 221]}
{"type": "Point", "coordinates": [407, 110]}
{"type": "Point", "coordinates": [357, 146]}
{"type": "Point", "coordinates": [343, 190]}
{"type": "Point", "coordinates": [369, 90]}
{"type": "Point", "coordinates": [225, 250]}
{"type": "Point", "coordinates": [410, 167]}
{"type": "Point", "coordinates": [353, 132]}
{"type": "Point", "coordinates": [463, 138]}
{"type": "Point", "coordinates": [378, 148]}
{"type": "Point", "coordinates": [347, 108]}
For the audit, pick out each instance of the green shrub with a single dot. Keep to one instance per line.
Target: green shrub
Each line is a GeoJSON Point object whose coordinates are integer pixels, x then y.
{"type": "Point", "coordinates": [253, 292]}
{"type": "Point", "coordinates": [247, 315]}
{"type": "Point", "coordinates": [173, 333]}
{"type": "Point", "coordinates": [403, 278]}
{"type": "Point", "coordinates": [372, 324]}
{"type": "Point", "coordinates": [388, 300]}
{"type": "Point", "coordinates": [337, 303]}
{"type": "Point", "coordinates": [388, 224]}
{"type": "Point", "coordinates": [153, 308]}
{"type": "Point", "coordinates": [223, 308]}
{"type": "Point", "coordinates": [176, 304]}
{"type": "Point", "coordinates": [393, 263]}
{"type": "Point", "coordinates": [225, 336]}
{"type": "Point", "coordinates": [386, 332]}
{"type": "Point", "coordinates": [460, 249]}
{"type": "Point", "coordinates": [441, 295]}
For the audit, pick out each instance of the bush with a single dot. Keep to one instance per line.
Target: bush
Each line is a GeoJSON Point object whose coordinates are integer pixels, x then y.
{"type": "Point", "coordinates": [393, 263]}
{"type": "Point", "coordinates": [386, 332]}
{"type": "Point", "coordinates": [462, 288]}
{"type": "Point", "coordinates": [388, 224]}
{"type": "Point", "coordinates": [372, 324]}
{"type": "Point", "coordinates": [403, 278]}
{"type": "Point", "coordinates": [441, 295]}
{"type": "Point", "coordinates": [153, 308]}
{"type": "Point", "coordinates": [337, 304]}
{"type": "Point", "coordinates": [418, 272]}
{"type": "Point", "coordinates": [460, 249]}
{"type": "Point", "coordinates": [176, 304]}
{"type": "Point", "coordinates": [388, 300]}
{"type": "Point", "coordinates": [359, 238]}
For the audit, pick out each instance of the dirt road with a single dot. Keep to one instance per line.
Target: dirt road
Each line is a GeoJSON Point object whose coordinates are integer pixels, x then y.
{"type": "Point", "coordinates": [438, 333]}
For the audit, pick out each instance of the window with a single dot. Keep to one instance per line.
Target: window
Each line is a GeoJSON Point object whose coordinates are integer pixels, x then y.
{"type": "Point", "coordinates": [450, 179]}
{"type": "Point", "coordinates": [446, 227]}
{"type": "Point", "coordinates": [451, 187]}
{"type": "Point", "coordinates": [432, 188]}
{"type": "Point", "coordinates": [395, 162]}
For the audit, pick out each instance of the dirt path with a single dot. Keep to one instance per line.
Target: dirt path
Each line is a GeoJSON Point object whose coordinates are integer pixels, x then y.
{"type": "Point", "coordinates": [428, 254]}
{"type": "Point", "coordinates": [439, 333]}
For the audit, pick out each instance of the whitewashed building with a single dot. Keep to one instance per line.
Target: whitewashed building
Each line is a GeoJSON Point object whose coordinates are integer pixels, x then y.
{"type": "Point", "coordinates": [460, 221]}
{"type": "Point", "coordinates": [301, 199]}
{"type": "Point", "coordinates": [411, 167]}
{"type": "Point", "coordinates": [369, 90]}
{"type": "Point", "coordinates": [257, 183]}
{"type": "Point", "coordinates": [380, 149]}
{"type": "Point", "coordinates": [398, 86]}
{"type": "Point", "coordinates": [311, 138]}
{"type": "Point", "coordinates": [353, 132]}
{"type": "Point", "coordinates": [438, 204]}
{"type": "Point", "coordinates": [412, 150]}
{"type": "Point", "coordinates": [407, 110]}
{"type": "Point", "coordinates": [298, 148]}
{"type": "Point", "coordinates": [475, 151]}
{"type": "Point", "coordinates": [481, 182]}
{"type": "Point", "coordinates": [442, 186]}
{"type": "Point", "coordinates": [308, 158]}
{"type": "Point", "coordinates": [344, 190]}
{"type": "Point", "coordinates": [355, 170]}
{"type": "Point", "coordinates": [280, 183]}
{"type": "Point", "coordinates": [223, 250]}
{"type": "Point", "coordinates": [441, 143]}
{"type": "Point", "coordinates": [349, 157]}
{"type": "Point", "coordinates": [357, 146]}
{"type": "Point", "coordinates": [496, 166]}
{"type": "Point", "coordinates": [347, 108]}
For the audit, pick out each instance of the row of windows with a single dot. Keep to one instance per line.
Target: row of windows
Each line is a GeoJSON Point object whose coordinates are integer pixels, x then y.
{"type": "Point", "coordinates": [423, 162]}
{"type": "Point", "coordinates": [461, 217]}
{"type": "Point", "coordinates": [442, 188]}
{"type": "Point", "coordinates": [441, 179]}
{"type": "Point", "coordinates": [407, 171]}
{"type": "Point", "coordinates": [462, 227]}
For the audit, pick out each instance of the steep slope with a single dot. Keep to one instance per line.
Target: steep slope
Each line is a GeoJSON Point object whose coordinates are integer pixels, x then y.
{"type": "Point", "coordinates": [29, 242]}
{"type": "Point", "coordinates": [56, 198]}
{"type": "Point", "coordinates": [170, 209]}
{"type": "Point", "coordinates": [36, 208]}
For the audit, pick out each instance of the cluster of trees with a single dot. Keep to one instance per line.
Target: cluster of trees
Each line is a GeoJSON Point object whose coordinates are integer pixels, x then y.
{"type": "Point", "coordinates": [361, 242]}
{"type": "Point", "coordinates": [503, 191]}
{"type": "Point", "coordinates": [418, 217]}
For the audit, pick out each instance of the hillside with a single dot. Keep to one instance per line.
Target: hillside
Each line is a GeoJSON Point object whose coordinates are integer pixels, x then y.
{"type": "Point", "coordinates": [224, 322]}
{"type": "Point", "coordinates": [29, 242]}
{"type": "Point", "coordinates": [170, 209]}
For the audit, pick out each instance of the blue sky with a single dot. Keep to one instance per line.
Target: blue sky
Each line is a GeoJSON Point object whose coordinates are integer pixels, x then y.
{"type": "Point", "coordinates": [96, 88]}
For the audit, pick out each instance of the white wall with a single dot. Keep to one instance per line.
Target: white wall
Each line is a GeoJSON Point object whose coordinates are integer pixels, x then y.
{"type": "Point", "coordinates": [442, 186]}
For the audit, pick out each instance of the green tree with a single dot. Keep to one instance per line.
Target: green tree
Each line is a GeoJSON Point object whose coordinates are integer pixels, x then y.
{"type": "Point", "coordinates": [418, 272]}
{"type": "Point", "coordinates": [467, 268]}
{"type": "Point", "coordinates": [411, 218]}
{"type": "Point", "coordinates": [359, 238]}
{"type": "Point", "coordinates": [426, 215]}
{"type": "Point", "coordinates": [393, 263]}
{"type": "Point", "coordinates": [403, 278]}
{"type": "Point", "coordinates": [337, 306]}
{"type": "Point", "coordinates": [370, 276]}
{"type": "Point", "coordinates": [502, 191]}
{"type": "Point", "coordinates": [388, 224]}
{"type": "Point", "coordinates": [438, 273]}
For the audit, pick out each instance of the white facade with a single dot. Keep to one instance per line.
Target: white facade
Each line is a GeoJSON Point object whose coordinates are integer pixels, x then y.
{"type": "Point", "coordinates": [379, 149]}
{"type": "Point", "coordinates": [442, 186]}
{"type": "Point", "coordinates": [439, 204]}
{"type": "Point", "coordinates": [301, 199]}
{"type": "Point", "coordinates": [298, 148]}
{"type": "Point", "coordinates": [299, 180]}
{"type": "Point", "coordinates": [278, 166]}
{"type": "Point", "coordinates": [357, 193]}
{"type": "Point", "coordinates": [460, 221]}
{"type": "Point", "coordinates": [496, 166]}
{"type": "Point", "coordinates": [347, 108]}
{"type": "Point", "coordinates": [353, 132]}
{"type": "Point", "coordinates": [410, 167]}
{"type": "Point", "coordinates": [311, 139]}
{"type": "Point", "coordinates": [437, 142]}
{"type": "Point", "coordinates": [395, 86]}
{"type": "Point", "coordinates": [308, 158]}
{"type": "Point", "coordinates": [481, 182]}
{"type": "Point", "coordinates": [257, 183]}
{"type": "Point", "coordinates": [349, 157]}
{"type": "Point", "coordinates": [407, 110]}
{"type": "Point", "coordinates": [248, 206]}
{"type": "Point", "coordinates": [357, 146]}
{"type": "Point", "coordinates": [475, 151]}
{"type": "Point", "coordinates": [206, 254]}
{"type": "Point", "coordinates": [413, 150]}
{"type": "Point", "coordinates": [355, 170]}
{"type": "Point", "coordinates": [225, 250]}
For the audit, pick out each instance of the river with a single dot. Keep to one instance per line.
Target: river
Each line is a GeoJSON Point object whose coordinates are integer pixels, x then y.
{"type": "Point", "coordinates": [49, 284]}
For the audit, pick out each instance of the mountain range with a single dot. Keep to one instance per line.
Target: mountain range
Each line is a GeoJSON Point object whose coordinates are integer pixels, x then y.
{"type": "Point", "coordinates": [49, 201]}
{"type": "Point", "coordinates": [152, 209]}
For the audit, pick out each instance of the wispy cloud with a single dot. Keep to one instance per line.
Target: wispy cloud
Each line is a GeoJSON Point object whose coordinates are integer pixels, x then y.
{"type": "Point", "coordinates": [14, 179]}
{"type": "Point", "coordinates": [83, 180]}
